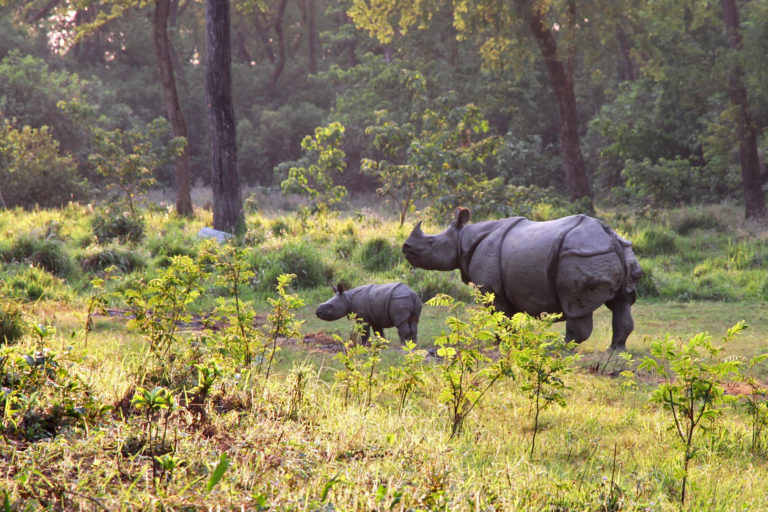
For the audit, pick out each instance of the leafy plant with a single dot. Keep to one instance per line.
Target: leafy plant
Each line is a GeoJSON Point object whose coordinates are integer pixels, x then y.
{"type": "Point", "coordinates": [127, 159]}
{"type": "Point", "coordinates": [234, 273]}
{"type": "Point", "coordinates": [541, 356]}
{"type": "Point", "coordinates": [693, 385]}
{"type": "Point", "coordinates": [467, 373]}
{"type": "Point", "coordinates": [160, 305]}
{"type": "Point", "coordinates": [314, 176]}
{"type": "Point", "coordinates": [281, 321]}
{"type": "Point", "coordinates": [157, 403]}
{"type": "Point", "coordinates": [406, 377]}
{"type": "Point", "coordinates": [11, 321]}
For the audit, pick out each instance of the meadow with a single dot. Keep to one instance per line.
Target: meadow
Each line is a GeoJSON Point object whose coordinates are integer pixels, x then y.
{"type": "Point", "coordinates": [133, 380]}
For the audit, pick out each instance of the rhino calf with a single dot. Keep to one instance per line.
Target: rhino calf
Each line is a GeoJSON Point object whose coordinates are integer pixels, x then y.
{"type": "Point", "coordinates": [378, 305]}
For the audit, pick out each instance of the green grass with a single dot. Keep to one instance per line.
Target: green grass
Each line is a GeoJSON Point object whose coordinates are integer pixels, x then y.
{"type": "Point", "coordinates": [328, 456]}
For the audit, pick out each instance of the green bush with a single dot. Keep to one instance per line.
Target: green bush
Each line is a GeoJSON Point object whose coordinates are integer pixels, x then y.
{"type": "Point", "coordinates": [296, 257]}
{"type": "Point", "coordinates": [653, 241]}
{"type": "Point", "coordinates": [691, 219]}
{"type": "Point", "coordinates": [167, 245]}
{"type": "Point", "coordinates": [378, 254]}
{"type": "Point", "coordinates": [30, 283]}
{"type": "Point", "coordinates": [11, 322]}
{"type": "Point", "coordinates": [98, 259]}
{"type": "Point", "coordinates": [428, 283]}
{"type": "Point", "coordinates": [647, 286]}
{"type": "Point", "coordinates": [109, 225]}
{"type": "Point", "coordinates": [48, 253]}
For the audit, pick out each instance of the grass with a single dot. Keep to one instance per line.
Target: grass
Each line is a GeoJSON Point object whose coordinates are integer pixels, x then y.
{"type": "Point", "coordinates": [301, 448]}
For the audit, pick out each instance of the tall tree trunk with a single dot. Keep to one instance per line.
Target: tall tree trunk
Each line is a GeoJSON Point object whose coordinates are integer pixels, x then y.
{"type": "Point", "coordinates": [746, 131]}
{"type": "Point", "coordinates": [626, 68]}
{"type": "Point", "coordinates": [172, 106]}
{"type": "Point", "coordinates": [280, 62]}
{"type": "Point", "coordinates": [227, 199]}
{"type": "Point", "coordinates": [576, 179]}
{"type": "Point", "coordinates": [312, 35]}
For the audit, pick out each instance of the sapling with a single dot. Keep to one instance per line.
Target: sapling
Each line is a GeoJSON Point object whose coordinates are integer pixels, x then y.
{"type": "Point", "coordinates": [281, 321]}
{"type": "Point", "coordinates": [406, 377]}
{"type": "Point", "coordinates": [467, 372]}
{"type": "Point", "coordinates": [692, 389]}
{"type": "Point", "coordinates": [542, 357]}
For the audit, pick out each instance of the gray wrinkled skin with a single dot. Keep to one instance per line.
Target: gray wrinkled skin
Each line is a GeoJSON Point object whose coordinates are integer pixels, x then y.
{"type": "Point", "coordinates": [379, 306]}
{"type": "Point", "coordinates": [570, 265]}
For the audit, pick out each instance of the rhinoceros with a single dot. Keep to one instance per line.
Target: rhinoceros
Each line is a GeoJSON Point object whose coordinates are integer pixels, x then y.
{"type": "Point", "coordinates": [570, 265]}
{"type": "Point", "coordinates": [378, 305]}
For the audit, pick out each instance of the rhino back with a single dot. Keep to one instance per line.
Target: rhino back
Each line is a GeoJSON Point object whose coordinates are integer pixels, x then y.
{"type": "Point", "coordinates": [371, 302]}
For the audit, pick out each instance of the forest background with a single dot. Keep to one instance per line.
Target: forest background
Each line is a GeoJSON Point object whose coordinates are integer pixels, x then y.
{"type": "Point", "coordinates": [491, 106]}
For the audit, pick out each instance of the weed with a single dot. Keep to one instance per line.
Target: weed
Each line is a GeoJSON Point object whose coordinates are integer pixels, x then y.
{"type": "Point", "coordinates": [693, 385]}
{"type": "Point", "coordinates": [539, 354]}
{"type": "Point", "coordinates": [281, 321]}
{"type": "Point", "coordinates": [298, 258]}
{"type": "Point", "coordinates": [654, 240]}
{"type": "Point", "coordinates": [112, 224]}
{"type": "Point", "coordinates": [467, 373]}
{"type": "Point", "coordinates": [11, 321]}
{"type": "Point", "coordinates": [378, 254]}
{"type": "Point", "coordinates": [99, 259]}
{"type": "Point", "coordinates": [47, 253]}
{"type": "Point", "coordinates": [407, 377]}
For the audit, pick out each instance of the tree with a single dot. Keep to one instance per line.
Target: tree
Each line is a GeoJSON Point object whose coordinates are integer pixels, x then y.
{"type": "Point", "coordinates": [746, 129]}
{"type": "Point", "coordinates": [225, 181]}
{"type": "Point", "coordinates": [505, 22]}
{"type": "Point", "coordinates": [172, 106]}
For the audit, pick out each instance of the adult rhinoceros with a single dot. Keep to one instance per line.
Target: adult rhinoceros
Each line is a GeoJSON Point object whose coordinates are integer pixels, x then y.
{"type": "Point", "coordinates": [570, 265]}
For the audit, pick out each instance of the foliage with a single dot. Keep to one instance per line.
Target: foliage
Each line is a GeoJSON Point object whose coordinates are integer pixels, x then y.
{"type": "Point", "coordinates": [314, 175]}
{"type": "Point", "coordinates": [298, 257]}
{"type": "Point", "coordinates": [540, 355]}
{"type": "Point", "coordinates": [161, 304]}
{"type": "Point", "coordinates": [44, 250]}
{"type": "Point", "coordinates": [97, 259]}
{"type": "Point", "coordinates": [408, 376]}
{"type": "Point", "coordinates": [127, 159]}
{"type": "Point", "coordinates": [378, 254]}
{"type": "Point", "coordinates": [467, 373]}
{"type": "Point", "coordinates": [112, 223]}
{"type": "Point", "coordinates": [11, 321]}
{"type": "Point", "coordinates": [654, 240]}
{"type": "Point", "coordinates": [39, 395]}
{"type": "Point", "coordinates": [31, 160]}
{"type": "Point", "coordinates": [157, 403]}
{"type": "Point", "coordinates": [281, 321]}
{"type": "Point", "coordinates": [692, 389]}
{"type": "Point", "coordinates": [234, 274]}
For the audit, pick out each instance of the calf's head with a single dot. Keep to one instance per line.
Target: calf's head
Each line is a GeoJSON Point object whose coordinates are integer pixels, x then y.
{"type": "Point", "coordinates": [337, 307]}
{"type": "Point", "coordinates": [436, 252]}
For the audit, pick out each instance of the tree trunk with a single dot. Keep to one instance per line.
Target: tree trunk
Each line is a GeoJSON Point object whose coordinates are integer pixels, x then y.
{"type": "Point", "coordinates": [626, 68]}
{"type": "Point", "coordinates": [746, 131]}
{"type": "Point", "coordinates": [312, 35]}
{"type": "Point", "coordinates": [172, 107]}
{"type": "Point", "coordinates": [576, 179]}
{"type": "Point", "coordinates": [280, 62]}
{"type": "Point", "coordinates": [227, 199]}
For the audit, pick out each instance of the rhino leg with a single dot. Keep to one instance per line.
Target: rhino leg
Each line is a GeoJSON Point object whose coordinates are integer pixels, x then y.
{"type": "Point", "coordinates": [622, 323]}
{"type": "Point", "coordinates": [578, 329]}
{"type": "Point", "coordinates": [405, 331]}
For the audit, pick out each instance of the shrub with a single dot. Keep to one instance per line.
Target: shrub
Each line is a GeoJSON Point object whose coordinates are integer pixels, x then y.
{"type": "Point", "coordinates": [169, 244]}
{"type": "Point", "coordinates": [428, 283]}
{"type": "Point", "coordinates": [110, 224]}
{"type": "Point", "coordinates": [296, 257]}
{"type": "Point", "coordinates": [34, 283]}
{"type": "Point", "coordinates": [48, 253]}
{"type": "Point", "coordinates": [126, 261]}
{"type": "Point", "coordinates": [655, 240]}
{"type": "Point", "coordinates": [691, 219]}
{"type": "Point", "coordinates": [377, 255]}
{"type": "Point", "coordinates": [11, 322]}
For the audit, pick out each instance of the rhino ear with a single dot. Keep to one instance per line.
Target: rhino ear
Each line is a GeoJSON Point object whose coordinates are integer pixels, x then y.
{"type": "Point", "coordinates": [341, 288]}
{"type": "Point", "coordinates": [462, 217]}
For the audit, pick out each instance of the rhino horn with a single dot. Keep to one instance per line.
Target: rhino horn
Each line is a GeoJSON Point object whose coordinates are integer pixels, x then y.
{"type": "Point", "coordinates": [417, 228]}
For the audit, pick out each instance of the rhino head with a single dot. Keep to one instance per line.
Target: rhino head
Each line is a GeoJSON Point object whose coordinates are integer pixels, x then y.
{"type": "Point", "coordinates": [436, 252]}
{"type": "Point", "coordinates": [338, 306]}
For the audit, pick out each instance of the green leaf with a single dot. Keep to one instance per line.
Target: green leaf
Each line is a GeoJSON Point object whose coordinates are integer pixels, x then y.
{"type": "Point", "coordinates": [218, 472]}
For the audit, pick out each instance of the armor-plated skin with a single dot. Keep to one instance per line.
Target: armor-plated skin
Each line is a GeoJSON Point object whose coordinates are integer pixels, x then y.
{"type": "Point", "coordinates": [379, 306]}
{"type": "Point", "coordinates": [570, 265]}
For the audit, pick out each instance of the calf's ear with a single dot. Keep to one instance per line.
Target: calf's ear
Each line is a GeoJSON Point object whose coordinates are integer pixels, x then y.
{"type": "Point", "coordinates": [340, 287]}
{"type": "Point", "coordinates": [462, 216]}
